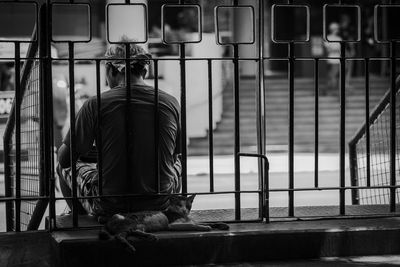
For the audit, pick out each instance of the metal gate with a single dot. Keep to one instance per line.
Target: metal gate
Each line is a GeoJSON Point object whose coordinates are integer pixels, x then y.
{"type": "Point", "coordinates": [30, 182]}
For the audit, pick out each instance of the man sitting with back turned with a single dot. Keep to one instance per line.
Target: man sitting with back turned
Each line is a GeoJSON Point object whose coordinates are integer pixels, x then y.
{"type": "Point", "coordinates": [138, 176]}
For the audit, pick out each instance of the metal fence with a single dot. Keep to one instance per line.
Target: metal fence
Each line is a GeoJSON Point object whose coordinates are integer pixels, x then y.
{"type": "Point", "coordinates": [370, 155]}
{"type": "Point", "coordinates": [23, 140]}
{"type": "Point", "coordinates": [30, 182]}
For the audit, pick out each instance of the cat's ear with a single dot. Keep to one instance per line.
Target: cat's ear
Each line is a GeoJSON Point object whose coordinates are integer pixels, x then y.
{"type": "Point", "coordinates": [173, 199]}
{"type": "Point", "coordinates": [191, 198]}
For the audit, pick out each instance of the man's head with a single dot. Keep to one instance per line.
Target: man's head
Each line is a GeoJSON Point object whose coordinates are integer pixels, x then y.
{"type": "Point", "coordinates": [116, 64]}
{"type": "Point", "coordinates": [334, 28]}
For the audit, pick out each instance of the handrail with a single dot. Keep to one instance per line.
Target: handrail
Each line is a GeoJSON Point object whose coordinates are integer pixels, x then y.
{"type": "Point", "coordinates": [32, 50]}
{"type": "Point", "coordinates": [375, 113]}
{"type": "Point", "coordinates": [10, 125]}
{"type": "Point", "coordinates": [378, 110]}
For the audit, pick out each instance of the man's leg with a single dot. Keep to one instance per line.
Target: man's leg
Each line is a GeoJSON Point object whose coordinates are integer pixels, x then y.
{"type": "Point", "coordinates": [86, 179]}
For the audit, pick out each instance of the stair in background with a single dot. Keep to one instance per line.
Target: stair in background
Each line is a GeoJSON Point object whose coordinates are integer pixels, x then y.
{"type": "Point", "coordinates": [277, 124]}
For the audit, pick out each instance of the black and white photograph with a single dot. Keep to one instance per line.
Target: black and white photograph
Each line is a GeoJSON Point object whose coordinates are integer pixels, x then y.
{"type": "Point", "coordinates": [199, 133]}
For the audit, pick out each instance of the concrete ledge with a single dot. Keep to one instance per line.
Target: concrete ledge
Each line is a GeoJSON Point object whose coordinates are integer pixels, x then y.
{"type": "Point", "coordinates": [243, 243]}
{"type": "Point", "coordinates": [25, 249]}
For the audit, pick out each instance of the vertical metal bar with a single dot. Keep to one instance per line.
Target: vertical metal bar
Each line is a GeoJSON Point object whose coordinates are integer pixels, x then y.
{"type": "Point", "coordinates": [210, 125]}
{"type": "Point", "coordinates": [47, 108]}
{"type": "Point", "coordinates": [18, 99]}
{"type": "Point", "coordinates": [73, 134]}
{"type": "Point", "coordinates": [99, 141]}
{"type": "Point", "coordinates": [8, 183]}
{"type": "Point", "coordinates": [291, 127]}
{"type": "Point", "coordinates": [46, 116]}
{"type": "Point", "coordinates": [237, 130]}
{"type": "Point", "coordinates": [42, 47]}
{"type": "Point", "coordinates": [266, 190]}
{"type": "Point", "coordinates": [156, 126]}
{"type": "Point", "coordinates": [367, 129]}
{"type": "Point", "coordinates": [291, 124]}
{"type": "Point", "coordinates": [127, 116]}
{"type": "Point", "coordinates": [393, 125]}
{"type": "Point", "coordinates": [355, 196]}
{"type": "Point", "coordinates": [182, 63]}
{"type": "Point", "coordinates": [342, 149]}
{"type": "Point", "coordinates": [260, 100]}
{"type": "Point", "coordinates": [237, 126]}
{"type": "Point", "coordinates": [316, 122]}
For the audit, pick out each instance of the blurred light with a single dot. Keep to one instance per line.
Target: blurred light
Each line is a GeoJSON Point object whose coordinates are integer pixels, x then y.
{"type": "Point", "coordinates": [61, 84]}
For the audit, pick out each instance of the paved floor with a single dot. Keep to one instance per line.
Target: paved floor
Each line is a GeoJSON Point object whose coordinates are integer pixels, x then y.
{"type": "Point", "coordinates": [249, 181]}
{"type": "Point", "coordinates": [381, 260]}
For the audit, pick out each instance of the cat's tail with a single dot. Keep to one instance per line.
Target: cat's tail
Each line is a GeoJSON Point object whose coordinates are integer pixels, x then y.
{"type": "Point", "coordinates": [218, 225]}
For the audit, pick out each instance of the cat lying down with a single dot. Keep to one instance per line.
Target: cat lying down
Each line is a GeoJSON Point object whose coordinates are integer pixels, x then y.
{"type": "Point", "coordinates": [140, 225]}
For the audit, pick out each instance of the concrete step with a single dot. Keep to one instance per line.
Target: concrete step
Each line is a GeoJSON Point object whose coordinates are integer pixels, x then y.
{"type": "Point", "coordinates": [329, 102]}
{"type": "Point", "coordinates": [244, 242]}
{"type": "Point", "coordinates": [250, 121]}
{"type": "Point", "coordinates": [276, 93]}
{"type": "Point", "coordinates": [279, 148]}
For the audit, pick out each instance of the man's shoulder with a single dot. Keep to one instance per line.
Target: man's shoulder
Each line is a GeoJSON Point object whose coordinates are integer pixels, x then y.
{"type": "Point", "coordinates": [147, 92]}
{"type": "Point", "coordinates": [109, 93]}
{"type": "Point", "coordinates": [168, 98]}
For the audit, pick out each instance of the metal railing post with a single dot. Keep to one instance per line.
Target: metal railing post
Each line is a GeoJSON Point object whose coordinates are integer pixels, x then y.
{"type": "Point", "coordinates": [342, 148]}
{"type": "Point", "coordinates": [237, 126]}
{"type": "Point", "coordinates": [291, 128]}
{"type": "Point", "coordinates": [367, 126]}
{"type": "Point", "coordinates": [260, 98]}
{"type": "Point", "coordinates": [210, 124]}
{"type": "Point", "coordinates": [49, 159]}
{"type": "Point", "coordinates": [316, 123]}
{"type": "Point", "coordinates": [182, 64]}
{"type": "Point", "coordinates": [128, 130]}
{"type": "Point", "coordinates": [156, 127]}
{"type": "Point", "coordinates": [355, 198]}
{"type": "Point", "coordinates": [71, 71]}
{"type": "Point", "coordinates": [99, 140]}
{"type": "Point", "coordinates": [393, 125]}
{"type": "Point", "coordinates": [18, 100]}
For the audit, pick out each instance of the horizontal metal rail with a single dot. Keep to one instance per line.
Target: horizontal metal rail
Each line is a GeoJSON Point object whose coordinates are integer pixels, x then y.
{"type": "Point", "coordinates": [256, 59]}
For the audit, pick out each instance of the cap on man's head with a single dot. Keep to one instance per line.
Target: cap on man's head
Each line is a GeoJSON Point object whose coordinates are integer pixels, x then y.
{"type": "Point", "coordinates": [115, 55]}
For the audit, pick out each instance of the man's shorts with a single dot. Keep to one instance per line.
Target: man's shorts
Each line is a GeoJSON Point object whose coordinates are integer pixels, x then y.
{"type": "Point", "coordinates": [87, 178]}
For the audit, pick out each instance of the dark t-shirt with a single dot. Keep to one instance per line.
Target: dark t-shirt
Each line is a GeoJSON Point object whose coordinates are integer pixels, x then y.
{"type": "Point", "coordinates": [142, 142]}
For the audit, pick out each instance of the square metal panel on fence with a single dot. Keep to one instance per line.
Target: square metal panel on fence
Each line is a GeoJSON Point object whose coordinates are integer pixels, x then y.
{"type": "Point", "coordinates": [387, 21]}
{"type": "Point", "coordinates": [234, 25]}
{"type": "Point", "coordinates": [24, 15]}
{"type": "Point", "coordinates": [127, 23]}
{"type": "Point", "coordinates": [181, 24]}
{"type": "Point", "coordinates": [293, 22]}
{"type": "Point", "coordinates": [71, 23]}
{"type": "Point", "coordinates": [342, 23]}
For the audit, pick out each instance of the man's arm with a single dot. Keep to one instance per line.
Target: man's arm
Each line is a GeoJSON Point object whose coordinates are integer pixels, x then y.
{"type": "Point", "coordinates": [178, 164]}
{"type": "Point", "coordinates": [178, 146]}
{"type": "Point", "coordinates": [84, 137]}
{"type": "Point", "coordinates": [64, 156]}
